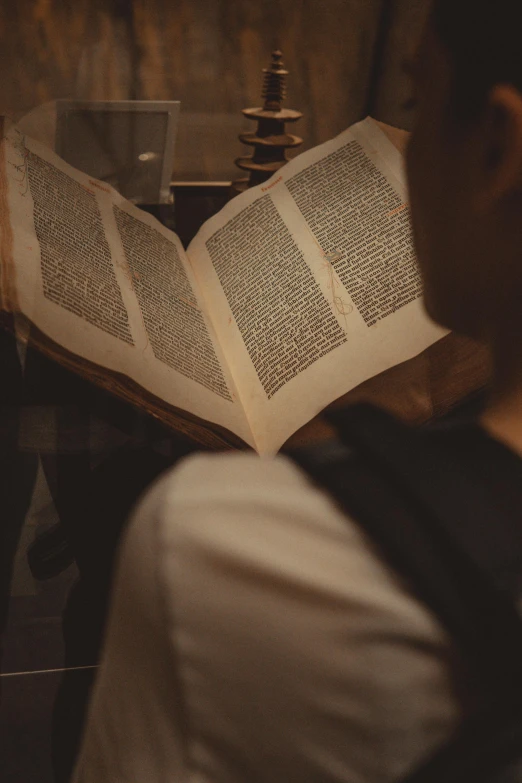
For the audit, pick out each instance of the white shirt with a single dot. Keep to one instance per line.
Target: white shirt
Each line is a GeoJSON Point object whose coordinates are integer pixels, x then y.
{"type": "Point", "coordinates": [255, 636]}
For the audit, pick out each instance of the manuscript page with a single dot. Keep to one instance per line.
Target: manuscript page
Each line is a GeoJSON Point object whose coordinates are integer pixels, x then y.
{"type": "Point", "coordinates": [108, 283]}
{"type": "Point", "coordinates": [311, 281]}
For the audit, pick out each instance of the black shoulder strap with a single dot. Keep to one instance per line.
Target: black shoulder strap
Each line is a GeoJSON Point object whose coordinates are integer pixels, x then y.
{"type": "Point", "coordinates": [446, 511]}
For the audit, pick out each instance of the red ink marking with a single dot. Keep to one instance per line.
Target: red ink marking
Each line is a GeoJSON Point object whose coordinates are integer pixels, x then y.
{"type": "Point", "coordinates": [269, 187]}
{"type": "Point", "coordinates": [344, 309]}
{"type": "Point", "coordinates": [97, 185]}
{"type": "Point", "coordinates": [397, 211]}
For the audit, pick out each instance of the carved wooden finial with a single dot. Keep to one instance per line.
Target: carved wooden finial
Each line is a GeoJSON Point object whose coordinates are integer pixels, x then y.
{"type": "Point", "coordinates": [270, 140]}
{"type": "Point", "coordinates": [274, 86]}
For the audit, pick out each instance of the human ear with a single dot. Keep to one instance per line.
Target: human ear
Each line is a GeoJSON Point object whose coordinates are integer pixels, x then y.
{"type": "Point", "coordinates": [502, 147]}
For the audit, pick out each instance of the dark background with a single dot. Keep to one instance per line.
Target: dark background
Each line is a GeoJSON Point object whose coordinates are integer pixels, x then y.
{"type": "Point", "coordinates": [344, 58]}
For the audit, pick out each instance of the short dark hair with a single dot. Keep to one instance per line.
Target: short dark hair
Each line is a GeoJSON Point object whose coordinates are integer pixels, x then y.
{"type": "Point", "coordinates": [484, 41]}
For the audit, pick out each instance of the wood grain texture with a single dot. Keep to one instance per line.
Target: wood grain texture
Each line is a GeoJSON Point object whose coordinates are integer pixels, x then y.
{"type": "Point", "coordinates": [206, 53]}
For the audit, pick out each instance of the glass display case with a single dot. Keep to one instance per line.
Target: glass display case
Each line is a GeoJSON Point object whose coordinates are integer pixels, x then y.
{"type": "Point", "coordinates": [66, 446]}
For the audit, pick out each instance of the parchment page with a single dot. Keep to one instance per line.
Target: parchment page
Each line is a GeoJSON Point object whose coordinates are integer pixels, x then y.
{"type": "Point", "coordinates": [109, 283]}
{"type": "Point", "coordinates": [316, 268]}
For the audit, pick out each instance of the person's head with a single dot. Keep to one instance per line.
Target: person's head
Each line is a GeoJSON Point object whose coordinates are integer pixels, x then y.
{"type": "Point", "coordinates": [465, 165]}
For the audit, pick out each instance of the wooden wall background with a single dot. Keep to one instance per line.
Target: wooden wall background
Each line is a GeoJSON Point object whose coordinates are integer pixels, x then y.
{"type": "Point", "coordinates": [209, 55]}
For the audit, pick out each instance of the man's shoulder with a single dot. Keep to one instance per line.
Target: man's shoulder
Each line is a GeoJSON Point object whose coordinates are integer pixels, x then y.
{"type": "Point", "coordinates": [265, 517]}
{"type": "Point", "coordinates": [274, 598]}
{"type": "Point", "coordinates": [233, 473]}
{"type": "Point", "coordinates": [244, 485]}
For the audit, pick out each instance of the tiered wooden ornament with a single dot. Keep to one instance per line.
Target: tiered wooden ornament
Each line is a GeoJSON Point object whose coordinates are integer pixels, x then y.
{"type": "Point", "coordinates": [270, 140]}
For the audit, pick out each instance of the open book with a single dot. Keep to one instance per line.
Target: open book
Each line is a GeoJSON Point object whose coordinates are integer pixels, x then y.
{"type": "Point", "coordinates": [296, 292]}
